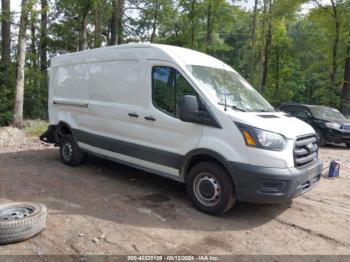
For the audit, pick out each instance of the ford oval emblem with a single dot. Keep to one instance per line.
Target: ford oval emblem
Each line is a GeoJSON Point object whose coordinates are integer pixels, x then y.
{"type": "Point", "coordinates": [311, 147]}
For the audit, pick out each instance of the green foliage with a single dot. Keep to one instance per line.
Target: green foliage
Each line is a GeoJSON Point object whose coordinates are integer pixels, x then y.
{"type": "Point", "coordinates": [300, 53]}
{"type": "Point", "coordinates": [7, 93]}
{"type": "Point", "coordinates": [36, 127]}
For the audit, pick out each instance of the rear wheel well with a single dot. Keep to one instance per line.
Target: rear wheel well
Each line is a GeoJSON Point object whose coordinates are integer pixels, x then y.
{"type": "Point", "coordinates": [62, 130]}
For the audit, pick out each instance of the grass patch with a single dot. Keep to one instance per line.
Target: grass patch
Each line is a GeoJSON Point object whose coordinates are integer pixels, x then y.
{"type": "Point", "coordinates": [36, 127]}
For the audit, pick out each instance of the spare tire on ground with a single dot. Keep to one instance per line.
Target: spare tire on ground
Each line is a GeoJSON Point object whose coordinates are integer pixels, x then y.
{"type": "Point", "coordinates": [20, 221]}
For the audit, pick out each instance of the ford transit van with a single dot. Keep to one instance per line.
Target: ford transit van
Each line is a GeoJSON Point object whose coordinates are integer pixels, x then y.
{"type": "Point", "coordinates": [180, 114]}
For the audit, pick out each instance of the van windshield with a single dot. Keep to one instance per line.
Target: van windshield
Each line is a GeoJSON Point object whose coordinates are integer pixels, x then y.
{"type": "Point", "coordinates": [223, 85]}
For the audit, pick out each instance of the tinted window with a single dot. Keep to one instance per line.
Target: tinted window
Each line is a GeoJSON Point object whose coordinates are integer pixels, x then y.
{"type": "Point", "coordinates": [169, 86]}
{"type": "Point", "coordinates": [288, 109]}
{"type": "Point", "coordinates": [302, 113]}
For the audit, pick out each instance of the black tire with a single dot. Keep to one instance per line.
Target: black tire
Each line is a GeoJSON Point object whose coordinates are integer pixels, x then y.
{"type": "Point", "coordinates": [21, 221]}
{"type": "Point", "coordinates": [320, 139]}
{"type": "Point", "coordinates": [203, 180]}
{"type": "Point", "coordinates": [70, 152]}
{"type": "Point", "coordinates": [348, 145]}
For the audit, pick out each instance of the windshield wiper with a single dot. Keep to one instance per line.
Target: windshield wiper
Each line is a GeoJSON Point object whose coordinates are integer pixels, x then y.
{"type": "Point", "coordinates": [237, 108]}
{"type": "Point", "coordinates": [233, 107]}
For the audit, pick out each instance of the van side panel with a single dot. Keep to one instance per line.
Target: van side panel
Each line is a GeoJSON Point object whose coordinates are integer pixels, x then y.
{"type": "Point", "coordinates": [114, 92]}
{"type": "Point", "coordinates": [68, 94]}
{"type": "Point", "coordinates": [117, 89]}
{"type": "Point", "coordinates": [115, 82]}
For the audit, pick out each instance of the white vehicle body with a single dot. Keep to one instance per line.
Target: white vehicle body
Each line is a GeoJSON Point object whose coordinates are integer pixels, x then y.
{"type": "Point", "coordinates": [105, 96]}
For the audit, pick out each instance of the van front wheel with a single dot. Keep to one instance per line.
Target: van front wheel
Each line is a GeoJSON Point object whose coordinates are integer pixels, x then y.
{"type": "Point", "coordinates": [70, 152]}
{"type": "Point", "coordinates": [210, 188]}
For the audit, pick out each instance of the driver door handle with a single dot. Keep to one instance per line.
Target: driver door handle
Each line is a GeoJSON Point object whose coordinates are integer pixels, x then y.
{"type": "Point", "coordinates": [133, 114]}
{"type": "Point", "coordinates": [150, 118]}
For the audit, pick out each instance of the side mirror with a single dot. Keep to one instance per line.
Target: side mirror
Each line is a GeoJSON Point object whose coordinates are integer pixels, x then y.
{"type": "Point", "coordinates": [189, 109]}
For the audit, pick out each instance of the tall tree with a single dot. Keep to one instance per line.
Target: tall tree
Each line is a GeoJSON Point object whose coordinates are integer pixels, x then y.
{"type": "Point", "coordinates": [114, 23]}
{"type": "Point", "coordinates": [43, 36]}
{"type": "Point", "coordinates": [267, 43]}
{"type": "Point", "coordinates": [214, 13]}
{"type": "Point", "coordinates": [21, 56]}
{"type": "Point", "coordinates": [33, 49]}
{"type": "Point", "coordinates": [335, 43]}
{"type": "Point", "coordinates": [253, 41]}
{"type": "Point", "coordinates": [152, 15]}
{"type": "Point", "coordinates": [155, 19]}
{"type": "Point", "coordinates": [120, 26]}
{"type": "Point", "coordinates": [346, 84]}
{"type": "Point", "coordinates": [42, 91]}
{"type": "Point", "coordinates": [83, 26]}
{"type": "Point", "coordinates": [98, 5]}
{"type": "Point", "coordinates": [117, 22]}
{"type": "Point", "coordinates": [6, 31]}
{"type": "Point", "coordinates": [193, 23]}
{"type": "Point", "coordinates": [334, 13]}
{"type": "Point", "coordinates": [210, 25]}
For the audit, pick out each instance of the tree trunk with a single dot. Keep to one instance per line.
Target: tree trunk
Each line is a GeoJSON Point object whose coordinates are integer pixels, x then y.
{"type": "Point", "coordinates": [21, 54]}
{"type": "Point", "coordinates": [277, 72]}
{"type": "Point", "coordinates": [252, 55]}
{"type": "Point", "coordinates": [336, 18]}
{"type": "Point", "coordinates": [98, 27]}
{"type": "Point", "coordinates": [267, 47]}
{"type": "Point", "coordinates": [107, 33]}
{"type": "Point", "coordinates": [335, 53]}
{"type": "Point", "coordinates": [193, 27]}
{"type": "Point", "coordinates": [120, 21]}
{"type": "Point", "coordinates": [33, 75]}
{"type": "Point", "coordinates": [155, 19]}
{"type": "Point", "coordinates": [33, 50]}
{"type": "Point", "coordinates": [43, 36]}
{"type": "Point", "coordinates": [114, 25]}
{"type": "Point", "coordinates": [209, 27]}
{"type": "Point", "coordinates": [83, 32]}
{"type": "Point", "coordinates": [346, 84]}
{"type": "Point", "coordinates": [6, 31]}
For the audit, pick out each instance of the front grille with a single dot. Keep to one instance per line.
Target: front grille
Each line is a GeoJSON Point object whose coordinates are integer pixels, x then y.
{"type": "Point", "coordinates": [305, 150]}
{"type": "Point", "coordinates": [346, 127]}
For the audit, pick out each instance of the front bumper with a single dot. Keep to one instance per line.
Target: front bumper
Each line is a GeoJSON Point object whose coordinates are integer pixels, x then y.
{"type": "Point", "coordinates": [50, 135]}
{"type": "Point", "coordinates": [337, 136]}
{"type": "Point", "coordinates": [273, 185]}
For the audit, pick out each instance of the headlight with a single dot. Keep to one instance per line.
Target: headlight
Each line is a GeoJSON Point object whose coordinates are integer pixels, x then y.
{"type": "Point", "coordinates": [256, 137]}
{"type": "Point", "coordinates": [333, 125]}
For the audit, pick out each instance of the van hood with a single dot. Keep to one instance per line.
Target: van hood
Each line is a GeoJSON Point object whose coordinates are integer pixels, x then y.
{"type": "Point", "coordinates": [277, 122]}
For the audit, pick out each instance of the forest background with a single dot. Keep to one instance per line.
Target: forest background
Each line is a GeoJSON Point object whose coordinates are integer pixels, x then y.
{"type": "Point", "coordinates": [290, 50]}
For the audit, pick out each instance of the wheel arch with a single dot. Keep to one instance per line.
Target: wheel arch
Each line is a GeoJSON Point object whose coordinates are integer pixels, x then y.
{"type": "Point", "coordinates": [63, 129]}
{"type": "Point", "coordinates": [202, 154]}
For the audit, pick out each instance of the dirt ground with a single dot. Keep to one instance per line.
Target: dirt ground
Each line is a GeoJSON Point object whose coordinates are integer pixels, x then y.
{"type": "Point", "coordinates": [102, 207]}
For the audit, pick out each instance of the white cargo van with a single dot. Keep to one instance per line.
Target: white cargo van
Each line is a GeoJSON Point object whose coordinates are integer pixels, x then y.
{"type": "Point", "coordinates": [183, 115]}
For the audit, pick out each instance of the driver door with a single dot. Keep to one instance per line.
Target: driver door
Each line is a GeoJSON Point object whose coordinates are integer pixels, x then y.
{"type": "Point", "coordinates": [163, 130]}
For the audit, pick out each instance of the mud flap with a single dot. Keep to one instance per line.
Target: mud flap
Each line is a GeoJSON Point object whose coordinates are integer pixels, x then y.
{"type": "Point", "coordinates": [50, 135]}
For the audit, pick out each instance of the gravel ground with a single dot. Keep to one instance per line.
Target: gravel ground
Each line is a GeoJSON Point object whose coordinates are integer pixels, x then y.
{"type": "Point", "coordinates": [102, 207]}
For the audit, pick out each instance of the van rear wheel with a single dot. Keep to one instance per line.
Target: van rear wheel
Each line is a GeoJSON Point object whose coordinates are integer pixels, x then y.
{"type": "Point", "coordinates": [70, 152]}
{"type": "Point", "coordinates": [210, 188]}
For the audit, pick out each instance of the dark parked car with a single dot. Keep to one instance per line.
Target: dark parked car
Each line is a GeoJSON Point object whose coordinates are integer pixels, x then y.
{"type": "Point", "coordinates": [330, 125]}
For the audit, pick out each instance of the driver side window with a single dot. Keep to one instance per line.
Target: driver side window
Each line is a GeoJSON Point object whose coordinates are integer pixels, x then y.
{"type": "Point", "coordinates": [169, 86]}
{"type": "Point", "coordinates": [302, 113]}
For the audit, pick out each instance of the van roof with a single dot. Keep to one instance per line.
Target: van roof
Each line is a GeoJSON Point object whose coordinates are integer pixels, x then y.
{"type": "Point", "coordinates": [156, 51]}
